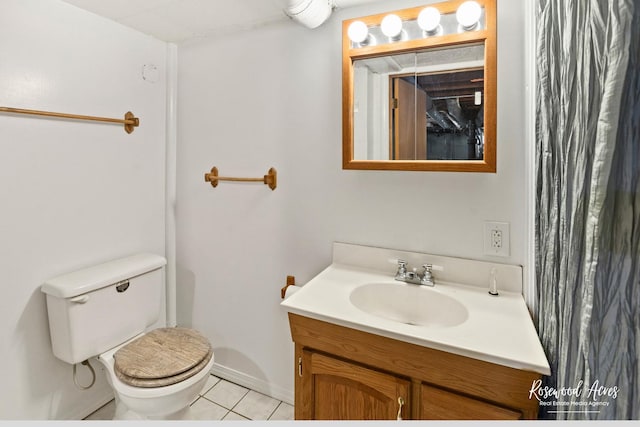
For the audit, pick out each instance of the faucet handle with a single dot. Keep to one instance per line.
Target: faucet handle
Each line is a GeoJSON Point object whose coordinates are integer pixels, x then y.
{"type": "Point", "coordinates": [402, 270]}
{"type": "Point", "coordinates": [427, 275]}
{"type": "Point", "coordinates": [428, 269]}
{"type": "Point", "coordinates": [432, 267]}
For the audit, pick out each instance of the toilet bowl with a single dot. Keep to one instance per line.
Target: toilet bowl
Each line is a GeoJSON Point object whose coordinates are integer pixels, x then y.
{"type": "Point", "coordinates": [109, 311]}
{"type": "Point", "coordinates": [164, 382]}
{"type": "Point", "coordinates": [165, 402]}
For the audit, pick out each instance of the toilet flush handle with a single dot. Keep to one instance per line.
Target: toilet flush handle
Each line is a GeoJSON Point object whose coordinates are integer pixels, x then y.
{"type": "Point", "coordinates": [81, 299]}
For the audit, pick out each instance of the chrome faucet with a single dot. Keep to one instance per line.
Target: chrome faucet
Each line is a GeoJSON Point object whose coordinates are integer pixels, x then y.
{"type": "Point", "coordinates": [414, 277]}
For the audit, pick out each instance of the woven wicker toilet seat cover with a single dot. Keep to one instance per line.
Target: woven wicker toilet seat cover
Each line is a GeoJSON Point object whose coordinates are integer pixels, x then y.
{"type": "Point", "coordinates": [162, 357]}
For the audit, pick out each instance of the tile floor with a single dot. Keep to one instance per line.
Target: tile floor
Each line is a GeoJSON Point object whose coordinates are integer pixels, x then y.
{"type": "Point", "coordinates": [224, 400]}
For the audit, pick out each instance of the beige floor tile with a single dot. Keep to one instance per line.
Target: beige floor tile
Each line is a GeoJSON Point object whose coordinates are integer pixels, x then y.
{"type": "Point", "coordinates": [226, 394]}
{"type": "Point", "coordinates": [232, 416]}
{"type": "Point", "coordinates": [105, 413]}
{"type": "Point", "coordinates": [283, 412]}
{"type": "Point", "coordinates": [256, 406]}
{"type": "Point", "coordinates": [218, 398]}
{"type": "Point", "coordinates": [204, 409]}
{"type": "Point", "coordinates": [213, 380]}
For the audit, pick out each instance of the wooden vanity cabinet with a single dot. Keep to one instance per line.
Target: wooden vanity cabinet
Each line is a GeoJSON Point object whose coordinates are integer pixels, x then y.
{"type": "Point", "coordinates": [341, 390]}
{"type": "Point", "coordinates": [440, 404]}
{"type": "Point", "coordinates": [346, 374]}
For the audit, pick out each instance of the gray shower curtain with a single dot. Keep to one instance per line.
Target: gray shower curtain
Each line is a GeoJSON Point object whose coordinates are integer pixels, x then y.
{"type": "Point", "coordinates": [588, 206]}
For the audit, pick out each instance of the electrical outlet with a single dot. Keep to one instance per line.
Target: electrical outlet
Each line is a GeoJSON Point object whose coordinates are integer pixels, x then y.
{"type": "Point", "coordinates": [496, 238]}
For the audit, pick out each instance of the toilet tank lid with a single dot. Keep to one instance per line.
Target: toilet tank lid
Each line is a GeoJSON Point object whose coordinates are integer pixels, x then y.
{"type": "Point", "coordinates": [98, 276]}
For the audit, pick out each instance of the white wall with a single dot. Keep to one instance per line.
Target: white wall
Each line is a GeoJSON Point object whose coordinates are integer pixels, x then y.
{"type": "Point", "coordinates": [272, 97]}
{"type": "Point", "coordinates": [72, 193]}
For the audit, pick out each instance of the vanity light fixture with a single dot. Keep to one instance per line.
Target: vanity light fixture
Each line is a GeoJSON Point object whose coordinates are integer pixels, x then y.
{"type": "Point", "coordinates": [359, 33]}
{"type": "Point", "coordinates": [429, 21]}
{"type": "Point", "coordinates": [468, 15]}
{"type": "Point", "coordinates": [442, 19]}
{"type": "Point", "coordinates": [391, 26]}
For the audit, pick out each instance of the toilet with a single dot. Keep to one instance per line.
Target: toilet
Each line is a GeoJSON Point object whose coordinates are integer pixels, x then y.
{"type": "Point", "coordinates": [107, 312]}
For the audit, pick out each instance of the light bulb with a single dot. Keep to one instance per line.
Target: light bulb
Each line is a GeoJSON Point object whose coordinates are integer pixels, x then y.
{"type": "Point", "coordinates": [391, 26]}
{"type": "Point", "coordinates": [429, 19]}
{"type": "Point", "coordinates": [358, 32]}
{"type": "Point", "coordinates": [468, 14]}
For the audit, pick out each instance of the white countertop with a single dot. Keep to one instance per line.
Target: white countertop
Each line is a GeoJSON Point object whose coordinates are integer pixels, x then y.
{"type": "Point", "coordinates": [498, 330]}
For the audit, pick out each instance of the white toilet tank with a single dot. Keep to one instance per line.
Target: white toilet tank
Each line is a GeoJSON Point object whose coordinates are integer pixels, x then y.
{"type": "Point", "coordinates": [97, 308]}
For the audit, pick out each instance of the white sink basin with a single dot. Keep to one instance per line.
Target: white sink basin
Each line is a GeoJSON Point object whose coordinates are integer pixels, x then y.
{"type": "Point", "coordinates": [409, 304]}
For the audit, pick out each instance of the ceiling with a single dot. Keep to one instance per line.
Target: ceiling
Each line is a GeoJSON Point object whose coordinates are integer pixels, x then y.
{"type": "Point", "coordinates": [180, 20]}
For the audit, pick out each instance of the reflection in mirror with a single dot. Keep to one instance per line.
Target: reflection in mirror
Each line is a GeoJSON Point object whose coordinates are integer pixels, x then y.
{"type": "Point", "coordinates": [420, 106]}
{"type": "Point", "coordinates": [423, 98]}
{"type": "Point", "coordinates": [454, 113]}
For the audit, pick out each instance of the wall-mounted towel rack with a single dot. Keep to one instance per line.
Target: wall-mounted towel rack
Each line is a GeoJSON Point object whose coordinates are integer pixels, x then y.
{"type": "Point", "coordinates": [130, 121]}
{"type": "Point", "coordinates": [269, 179]}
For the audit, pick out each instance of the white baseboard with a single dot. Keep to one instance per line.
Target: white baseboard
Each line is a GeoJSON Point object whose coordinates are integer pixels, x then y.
{"type": "Point", "coordinates": [83, 412]}
{"type": "Point", "coordinates": [253, 383]}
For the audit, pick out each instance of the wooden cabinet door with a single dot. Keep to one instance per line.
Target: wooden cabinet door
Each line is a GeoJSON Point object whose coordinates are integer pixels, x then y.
{"type": "Point", "coordinates": [409, 121]}
{"type": "Point", "coordinates": [339, 390]}
{"type": "Point", "coordinates": [439, 404]}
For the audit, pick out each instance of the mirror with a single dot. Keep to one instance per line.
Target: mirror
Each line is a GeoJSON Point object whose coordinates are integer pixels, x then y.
{"type": "Point", "coordinates": [421, 100]}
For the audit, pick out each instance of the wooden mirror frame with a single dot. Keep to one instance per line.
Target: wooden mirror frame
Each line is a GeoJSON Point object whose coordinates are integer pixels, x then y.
{"type": "Point", "coordinates": [350, 54]}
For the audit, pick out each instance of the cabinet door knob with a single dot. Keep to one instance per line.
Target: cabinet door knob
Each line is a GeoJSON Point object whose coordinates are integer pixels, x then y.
{"type": "Point", "coordinates": [400, 405]}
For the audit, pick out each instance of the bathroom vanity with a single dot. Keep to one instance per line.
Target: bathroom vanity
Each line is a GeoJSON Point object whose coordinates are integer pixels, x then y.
{"type": "Point", "coordinates": [371, 347]}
